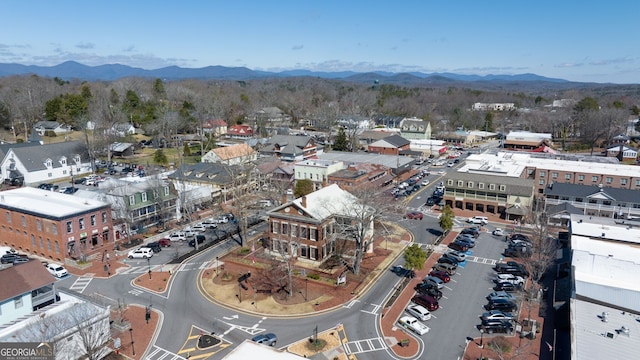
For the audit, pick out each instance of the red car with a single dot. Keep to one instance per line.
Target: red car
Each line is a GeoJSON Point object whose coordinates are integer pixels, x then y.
{"type": "Point", "coordinates": [164, 242]}
{"type": "Point", "coordinates": [440, 275]}
{"type": "Point", "coordinates": [414, 215]}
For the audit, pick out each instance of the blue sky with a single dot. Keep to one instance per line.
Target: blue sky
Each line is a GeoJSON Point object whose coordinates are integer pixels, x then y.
{"type": "Point", "coordinates": [590, 41]}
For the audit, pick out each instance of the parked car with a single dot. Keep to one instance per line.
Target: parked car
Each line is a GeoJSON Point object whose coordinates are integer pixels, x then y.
{"type": "Point", "coordinates": [413, 324]}
{"type": "Point", "coordinates": [56, 270]}
{"type": "Point", "coordinates": [465, 242]}
{"type": "Point", "coordinates": [177, 236]}
{"type": "Point", "coordinates": [510, 278]}
{"type": "Point", "coordinates": [414, 215]}
{"type": "Point", "coordinates": [518, 251]}
{"type": "Point", "coordinates": [498, 232]}
{"type": "Point", "coordinates": [497, 326]}
{"type": "Point", "coordinates": [430, 201]}
{"type": "Point", "coordinates": [402, 271]}
{"type": "Point", "coordinates": [155, 246]}
{"type": "Point", "coordinates": [199, 238]}
{"type": "Point", "coordinates": [444, 259]}
{"type": "Point", "coordinates": [428, 289]}
{"type": "Point", "coordinates": [189, 233]}
{"type": "Point", "coordinates": [500, 295]}
{"type": "Point", "coordinates": [425, 182]}
{"type": "Point", "coordinates": [199, 227]}
{"type": "Point", "coordinates": [482, 220]}
{"type": "Point", "coordinates": [140, 253]}
{"type": "Point", "coordinates": [506, 286]}
{"type": "Point", "coordinates": [441, 275]}
{"type": "Point", "coordinates": [419, 312]}
{"type": "Point", "coordinates": [210, 224]}
{"type": "Point", "coordinates": [459, 256]}
{"type": "Point", "coordinates": [511, 267]}
{"type": "Point", "coordinates": [475, 232]}
{"type": "Point", "coordinates": [447, 268]}
{"type": "Point", "coordinates": [502, 305]}
{"type": "Point", "coordinates": [458, 246]}
{"type": "Point", "coordinates": [9, 258]}
{"type": "Point", "coordinates": [268, 339]}
{"type": "Point", "coordinates": [164, 242]}
{"type": "Point", "coordinates": [496, 315]}
{"type": "Point", "coordinates": [518, 236]}
{"type": "Point", "coordinates": [20, 260]}
{"type": "Point", "coordinates": [435, 281]}
{"type": "Point", "coordinates": [427, 301]}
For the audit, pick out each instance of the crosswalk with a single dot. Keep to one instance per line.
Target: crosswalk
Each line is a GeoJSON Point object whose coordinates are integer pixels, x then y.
{"type": "Point", "coordinates": [80, 284]}
{"type": "Point", "coordinates": [482, 260]}
{"type": "Point", "coordinates": [135, 292]}
{"type": "Point", "coordinates": [158, 353]}
{"type": "Point", "coordinates": [163, 268]}
{"type": "Point", "coordinates": [363, 346]}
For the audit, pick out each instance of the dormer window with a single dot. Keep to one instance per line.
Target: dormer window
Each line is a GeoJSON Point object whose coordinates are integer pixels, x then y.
{"type": "Point", "coordinates": [48, 163]}
{"type": "Point", "coordinates": [77, 159]}
{"type": "Point", "coordinates": [63, 161]}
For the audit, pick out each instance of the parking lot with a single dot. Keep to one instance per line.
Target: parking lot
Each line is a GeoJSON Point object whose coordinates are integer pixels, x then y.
{"type": "Point", "coordinates": [464, 297]}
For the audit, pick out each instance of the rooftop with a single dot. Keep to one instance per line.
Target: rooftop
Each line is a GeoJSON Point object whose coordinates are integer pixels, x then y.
{"type": "Point", "coordinates": [47, 203]}
{"type": "Point", "coordinates": [317, 163]}
{"type": "Point", "coordinates": [390, 161]}
{"type": "Point", "coordinates": [605, 228]}
{"type": "Point", "coordinates": [593, 338]}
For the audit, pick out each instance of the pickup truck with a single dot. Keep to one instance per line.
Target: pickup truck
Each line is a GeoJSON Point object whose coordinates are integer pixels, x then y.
{"type": "Point", "coordinates": [411, 323]}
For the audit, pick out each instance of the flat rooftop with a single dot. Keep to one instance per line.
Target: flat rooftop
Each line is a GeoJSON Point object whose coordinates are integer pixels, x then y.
{"type": "Point", "coordinates": [46, 203]}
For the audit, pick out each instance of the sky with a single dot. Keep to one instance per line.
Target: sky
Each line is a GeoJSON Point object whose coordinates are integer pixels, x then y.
{"type": "Point", "coordinates": [576, 40]}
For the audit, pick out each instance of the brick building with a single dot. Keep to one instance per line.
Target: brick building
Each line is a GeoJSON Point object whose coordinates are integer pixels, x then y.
{"type": "Point", "coordinates": [391, 145]}
{"type": "Point", "coordinates": [54, 225]}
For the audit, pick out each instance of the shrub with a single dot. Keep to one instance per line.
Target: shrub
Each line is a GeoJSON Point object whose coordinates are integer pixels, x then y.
{"type": "Point", "coordinates": [244, 251]}
{"type": "Point", "coordinates": [500, 344]}
{"type": "Point", "coordinates": [314, 276]}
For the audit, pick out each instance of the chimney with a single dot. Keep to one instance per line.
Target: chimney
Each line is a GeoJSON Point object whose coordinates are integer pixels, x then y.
{"type": "Point", "coordinates": [304, 201]}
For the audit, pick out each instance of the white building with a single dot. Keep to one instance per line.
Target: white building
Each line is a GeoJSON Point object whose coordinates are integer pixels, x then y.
{"type": "Point", "coordinates": [316, 170]}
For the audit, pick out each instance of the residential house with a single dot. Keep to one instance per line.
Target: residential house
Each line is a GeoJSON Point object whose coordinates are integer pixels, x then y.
{"type": "Point", "coordinates": [241, 132]}
{"type": "Point", "coordinates": [272, 115]}
{"type": "Point", "coordinates": [507, 196]}
{"type": "Point", "coordinates": [122, 129]}
{"type": "Point", "coordinates": [71, 329]}
{"type": "Point", "coordinates": [316, 170]}
{"type": "Point", "coordinates": [624, 153]}
{"type": "Point", "coordinates": [275, 175]}
{"type": "Point", "coordinates": [215, 127]}
{"type": "Point", "coordinates": [223, 180]}
{"type": "Point", "coordinates": [415, 129]}
{"type": "Point", "coordinates": [595, 200]}
{"type": "Point", "coordinates": [369, 136]}
{"type": "Point", "coordinates": [54, 225]}
{"type": "Point", "coordinates": [46, 163]}
{"type": "Point", "coordinates": [46, 127]}
{"type": "Point", "coordinates": [390, 145]}
{"type": "Point", "coordinates": [25, 288]}
{"type": "Point", "coordinates": [313, 227]}
{"type": "Point", "coordinates": [291, 147]}
{"type": "Point", "coordinates": [231, 155]}
{"type": "Point", "coordinates": [122, 149]}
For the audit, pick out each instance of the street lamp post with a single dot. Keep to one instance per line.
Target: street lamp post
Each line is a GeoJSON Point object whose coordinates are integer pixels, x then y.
{"type": "Point", "coordinates": [149, 264]}
{"type": "Point", "coordinates": [306, 289]}
{"type": "Point", "coordinates": [217, 266]}
{"type": "Point", "coordinates": [481, 338]}
{"type": "Point", "coordinates": [133, 350]}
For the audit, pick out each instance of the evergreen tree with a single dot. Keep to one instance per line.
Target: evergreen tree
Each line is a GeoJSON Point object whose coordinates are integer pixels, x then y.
{"type": "Point", "coordinates": [341, 143]}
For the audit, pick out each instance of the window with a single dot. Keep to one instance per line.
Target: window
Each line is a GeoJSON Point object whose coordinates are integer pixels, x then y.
{"type": "Point", "coordinates": [285, 229]}
{"type": "Point", "coordinates": [581, 177]}
{"type": "Point", "coordinates": [313, 252]}
{"type": "Point", "coordinates": [492, 186]}
{"type": "Point", "coordinates": [313, 234]}
{"type": "Point", "coordinates": [303, 232]}
{"type": "Point", "coordinates": [63, 161]}
{"type": "Point", "coordinates": [275, 227]}
{"type": "Point", "coordinates": [81, 223]}
{"type": "Point", "coordinates": [579, 200]}
{"type": "Point", "coordinates": [637, 182]}
{"type": "Point", "coordinates": [93, 220]}
{"type": "Point", "coordinates": [69, 227]}
{"type": "Point", "coordinates": [38, 225]}
{"type": "Point", "coordinates": [460, 183]}
{"type": "Point", "coordinates": [554, 175]}
{"type": "Point", "coordinates": [132, 200]}
{"type": "Point", "coordinates": [450, 182]}
{"type": "Point", "coordinates": [623, 181]}
{"type": "Point", "coordinates": [144, 197]}
{"type": "Point", "coordinates": [541, 182]}
{"type": "Point", "coordinates": [594, 179]}
{"type": "Point", "coordinates": [166, 191]}
{"type": "Point", "coordinates": [33, 241]}
{"type": "Point", "coordinates": [48, 163]}
{"type": "Point", "coordinates": [57, 247]}
{"type": "Point", "coordinates": [41, 242]}
{"type": "Point", "coordinates": [542, 173]}
{"type": "Point", "coordinates": [567, 176]}
{"type": "Point", "coordinates": [17, 302]}
{"type": "Point", "coordinates": [24, 221]}
{"type": "Point", "coordinates": [530, 172]}
{"type": "Point", "coordinates": [480, 185]}
{"type": "Point", "coordinates": [54, 229]}
{"type": "Point", "coordinates": [303, 251]}
{"type": "Point", "coordinates": [503, 188]}
{"type": "Point", "coordinates": [317, 177]}
{"type": "Point", "coordinates": [104, 217]}
{"type": "Point", "coordinates": [609, 180]}
{"type": "Point", "coordinates": [49, 245]}
{"type": "Point", "coordinates": [470, 184]}
{"type": "Point", "coordinates": [294, 230]}
{"type": "Point", "coordinates": [9, 217]}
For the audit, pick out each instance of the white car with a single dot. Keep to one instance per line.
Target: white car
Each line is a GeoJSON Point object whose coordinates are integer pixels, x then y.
{"type": "Point", "coordinates": [178, 236]}
{"type": "Point", "coordinates": [510, 278]}
{"type": "Point", "coordinates": [482, 220]}
{"type": "Point", "coordinates": [419, 312]}
{"type": "Point", "coordinates": [189, 233]}
{"type": "Point", "coordinates": [57, 270]}
{"type": "Point", "coordinates": [425, 182]}
{"type": "Point", "coordinates": [141, 253]}
{"type": "Point", "coordinates": [441, 172]}
{"type": "Point", "coordinates": [210, 224]}
{"type": "Point", "coordinates": [199, 227]}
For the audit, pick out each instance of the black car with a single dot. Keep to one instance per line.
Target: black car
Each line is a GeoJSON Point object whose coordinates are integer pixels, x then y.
{"type": "Point", "coordinates": [79, 180]}
{"type": "Point", "coordinates": [518, 252]}
{"type": "Point", "coordinates": [430, 201]}
{"type": "Point", "coordinates": [444, 259]}
{"type": "Point", "coordinates": [199, 238]}
{"type": "Point", "coordinates": [458, 246]}
{"type": "Point", "coordinates": [497, 326]}
{"type": "Point", "coordinates": [511, 267]}
{"type": "Point", "coordinates": [502, 305]}
{"type": "Point", "coordinates": [506, 286]}
{"type": "Point", "coordinates": [465, 242]}
{"type": "Point", "coordinates": [402, 271]}
{"type": "Point", "coordinates": [155, 246]}
{"type": "Point", "coordinates": [428, 289]}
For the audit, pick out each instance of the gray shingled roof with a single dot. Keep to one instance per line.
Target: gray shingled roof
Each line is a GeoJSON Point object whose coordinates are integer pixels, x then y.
{"type": "Point", "coordinates": [34, 157]}
{"type": "Point", "coordinates": [213, 173]}
{"type": "Point", "coordinates": [289, 144]}
{"type": "Point", "coordinates": [397, 140]}
{"type": "Point", "coordinates": [582, 191]}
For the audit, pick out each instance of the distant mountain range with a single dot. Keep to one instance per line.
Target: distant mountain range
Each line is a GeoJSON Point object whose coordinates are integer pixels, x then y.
{"type": "Point", "coordinates": [74, 70]}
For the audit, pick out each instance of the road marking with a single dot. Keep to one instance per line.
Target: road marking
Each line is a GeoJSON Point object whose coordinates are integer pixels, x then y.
{"type": "Point", "coordinates": [353, 302]}
{"type": "Point", "coordinates": [80, 284]}
{"type": "Point", "coordinates": [363, 346]}
{"type": "Point", "coordinates": [231, 317]}
{"type": "Point", "coordinates": [374, 311]}
{"type": "Point", "coordinates": [135, 292]}
{"type": "Point", "coordinates": [158, 353]}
